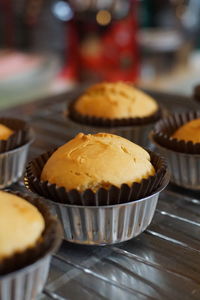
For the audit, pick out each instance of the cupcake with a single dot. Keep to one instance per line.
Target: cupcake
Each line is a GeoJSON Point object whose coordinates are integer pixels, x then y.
{"type": "Point", "coordinates": [28, 236]}
{"type": "Point", "coordinates": [15, 139]}
{"type": "Point", "coordinates": [94, 179]}
{"type": "Point", "coordinates": [90, 162]}
{"type": "Point", "coordinates": [189, 132]}
{"type": "Point", "coordinates": [5, 132]}
{"type": "Point", "coordinates": [178, 139]}
{"type": "Point", "coordinates": [117, 108]}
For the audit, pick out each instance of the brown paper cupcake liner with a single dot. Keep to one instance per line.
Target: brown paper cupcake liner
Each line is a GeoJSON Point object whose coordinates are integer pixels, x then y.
{"type": "Point", "coordinates": [166, 127]}
{"type": "Point", "coordinates": [196, 93]}
{"type": "Point", "coordinates": [113, 195]}
{"type": "Point", "coordinates": [50, 239]}
{"type": "Point", "coordinates": [20, 136]}
{"type": "Point", "coordinates": [105, 122]}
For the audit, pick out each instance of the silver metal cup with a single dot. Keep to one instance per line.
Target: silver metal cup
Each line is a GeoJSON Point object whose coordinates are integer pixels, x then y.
{"type": "Point", "coordinates": [109, 224]}
{"type": "Point", "coordinates": [12, 164]}
{"type": "Point", "coordinates": [26, 283]}
{"type": "Point", "coordinates": [183, 167]}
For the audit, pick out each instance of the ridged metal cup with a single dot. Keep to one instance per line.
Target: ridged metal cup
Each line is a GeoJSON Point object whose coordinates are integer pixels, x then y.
{"type": "Point", "coordinates": [12, 164]}
{"type": "Point", "coordinates": [183, 167]}
{"type": "Point", "coordinates": [136, 134]}
{"type": "Point", "coordinates": [26, 283]}
{"type": "Point", "coordinates": [109, 224]}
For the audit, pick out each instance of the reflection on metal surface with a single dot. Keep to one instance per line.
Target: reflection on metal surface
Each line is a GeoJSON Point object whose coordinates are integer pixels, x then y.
{"type": "Point", "coordinates": [164, 213]}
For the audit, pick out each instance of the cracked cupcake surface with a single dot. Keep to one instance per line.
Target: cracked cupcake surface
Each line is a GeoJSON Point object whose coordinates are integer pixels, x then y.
{"type": "Point", "coordinates": [115, 101]}
{"type": "Point", "coordinates": [21, 225]}
{"type": "Point", "coordinates": [99, 160]}
{"type": "Point", "coordinates": [190, 131]}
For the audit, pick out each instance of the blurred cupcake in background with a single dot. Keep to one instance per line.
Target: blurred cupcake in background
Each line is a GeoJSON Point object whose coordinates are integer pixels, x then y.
{"type": "Point", "coordinates": [178, 139]}
{"type": "Point", "coordinates": [117, 108]}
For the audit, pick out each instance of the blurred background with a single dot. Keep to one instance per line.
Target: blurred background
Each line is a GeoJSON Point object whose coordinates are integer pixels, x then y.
{"type": "Point", "coordinates": [50, 46]}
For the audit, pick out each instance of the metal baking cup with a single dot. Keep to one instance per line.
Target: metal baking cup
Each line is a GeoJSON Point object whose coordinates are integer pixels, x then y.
{"type": "Point", "coordinates": [12, 164]}
{"type": "Point", "coordinates": [183, 167]}
{"type": "Point", "coordinates": [109, 224]}
{"type": "Point", "coordinates": [20, 136]}
{"type": "Point", "coordinates": [183, 157]}
{"type": "Point", "coordinates": [115, 216]}
{"type": "Point", "coordinates": [27, 282]}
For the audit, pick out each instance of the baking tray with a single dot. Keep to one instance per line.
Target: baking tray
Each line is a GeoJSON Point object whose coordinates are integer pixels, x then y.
{"type": "Point", "coordinates": [162, 263]}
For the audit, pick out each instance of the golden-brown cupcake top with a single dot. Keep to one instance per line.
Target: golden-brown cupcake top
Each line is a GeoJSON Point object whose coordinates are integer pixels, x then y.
{"type": "Point", "coordinates": [5, 132]}
{"type": "Point", "coordinates": [99, 160]}
{"type": "Point", "coordinates": [21, 224]}
{"type": "Point", "coordinates": [115, 101]}
{"type": "Point", "coordinates": [189, 132]}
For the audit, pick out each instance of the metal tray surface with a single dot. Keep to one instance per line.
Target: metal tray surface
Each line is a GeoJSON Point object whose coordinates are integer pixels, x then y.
{"type": "Point", "coordinates": [162, 263]}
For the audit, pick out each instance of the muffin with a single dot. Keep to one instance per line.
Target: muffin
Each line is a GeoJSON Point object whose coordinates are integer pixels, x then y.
{"type": "Point", "coordinates": [15, 139]}
{"type": "Point", "coordinates": [95, 161]}
{"type": "Point", "coordinates": [177, 138]}
{"type": "Point", "coordinates": [189, 132]}
{"type": "Point", "coordinates": [13, 133]}
{"type": "Point", "coordinates": [29, 225]}
{"type": "Point", "coordinates": [5, 132]}
{"type": "Point", "coordinates": [28, 236]}
{"type": "Point", "coordinates": [115, 101]}
{"type": "Point", "coordinates": [99, 186]}
{"type": "Point", "coordinates": [117, 108]}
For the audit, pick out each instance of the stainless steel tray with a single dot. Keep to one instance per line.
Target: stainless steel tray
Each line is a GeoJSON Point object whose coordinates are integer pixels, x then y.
{"type": "Point", "coordinates": [162, 263]}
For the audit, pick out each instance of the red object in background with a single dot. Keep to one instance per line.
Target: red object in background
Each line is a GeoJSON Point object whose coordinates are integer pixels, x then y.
{"type": "Point", "coordinates": [87, 49]}
{"type": "Point", "coordinates": [120, 51]}
{"type": "Point", "coordinates": [70, 68]}
{"type": "Point", "coordinates": [109, 52]}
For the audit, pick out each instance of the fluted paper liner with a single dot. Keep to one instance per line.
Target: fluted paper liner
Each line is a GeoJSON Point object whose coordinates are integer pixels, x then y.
{"type": "Point", "coordinates": [20, 136]}
{"type": "Point", "coordinates": [48, 242]}
{"type": "Point", "coordinates": [74, 115]}
{"type": "Point", "coordinates": [196, 93]}
{"type": "Point", "coordinates": [113, 195]}
{"type": "Point", "coordinates": [165, 128]}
